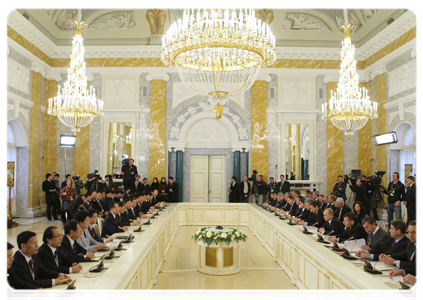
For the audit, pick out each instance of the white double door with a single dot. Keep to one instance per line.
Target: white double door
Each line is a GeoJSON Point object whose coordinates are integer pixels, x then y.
{"type": "Point", "coordinates": [208, 174]}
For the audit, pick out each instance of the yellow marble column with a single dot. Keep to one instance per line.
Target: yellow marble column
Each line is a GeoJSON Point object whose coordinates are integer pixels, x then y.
{"type": "Point", "coordinates": [157, 156]}
{"type": "Point", "coordinates": [297, 153]}
{"type": "Point", "coordinates": [364, 143]}
{"type": "Point", "coordinates": [110, 150]}
{"type": "Point", "coordinates": [81, 154]}
{"type": "Point", "coordinates": [290, 149]}
{"type": "Point", "coordinates": [259, 129]}
{"type": "Point", "coordinates": [49, 163]}
{"type": "Point", "coordinates": [418, 109]}
{"type": "Point", "coordinates": [381, 151]}
{"type": "Point", "coordinates": [335, 152]}
{"type": "Point", "coordinates": [35, 177]}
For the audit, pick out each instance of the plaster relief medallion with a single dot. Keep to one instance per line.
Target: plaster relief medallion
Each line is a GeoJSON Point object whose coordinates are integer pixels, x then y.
{"type": "Point", "coordinates": [50, 13]}
{"type": "Point", "coordinates": [303, 22]}
{"type": "Point", "coordinates": [17, 76]}
{"type": "Point", "coordinates": [296, 92]}
{"type": "Point", "coordinates": [66, 17]}
{"type": "Point", "coordinates": [122, 20]}
{"type": "Point", "coordinates": [402, 79]}
{"type": "Point", "coordinates": [120, 91]}
{"type": "Point", "coordinates": [368, 13]}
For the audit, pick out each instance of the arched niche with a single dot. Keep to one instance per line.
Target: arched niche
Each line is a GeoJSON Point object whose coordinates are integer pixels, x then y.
{"type": "Point", "coordinates": [19, 137]}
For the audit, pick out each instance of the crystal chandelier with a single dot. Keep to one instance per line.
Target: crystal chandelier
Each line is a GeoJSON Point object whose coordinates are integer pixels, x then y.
{"type": "Point", "coordinates": [75, 106]}
{"type": "Point", "coordinates": [218, 52]}
{"type": "Point", "coordinates": [350, 106]}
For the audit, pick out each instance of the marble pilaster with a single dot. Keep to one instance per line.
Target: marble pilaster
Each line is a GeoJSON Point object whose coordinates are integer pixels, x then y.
{"type": "Point", "coordinates": [157, 155]}
{"type": "Point", "coordinates": [49, 152]}
{"type": "Point", "coordinates": [321, 139]}
{"type": "Point", "coordinates": [96, 130]}
{"type": "Point", "coordinates": [179, 174]}
{"type": "Point", "coordinates": [335, 148]}
{"type": "Point", "coordinates": [381, 151]}
{"type": "Point", "coordinates": [259, 143]}
{"type": "Point", "coordinates": [364, 143]}
{"type": "Point", "coordinates": [34, 170]}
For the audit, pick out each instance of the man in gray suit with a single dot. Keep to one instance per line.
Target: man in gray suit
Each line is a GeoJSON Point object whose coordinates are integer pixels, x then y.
{"type": "Point", "coordinates": [377, 238]}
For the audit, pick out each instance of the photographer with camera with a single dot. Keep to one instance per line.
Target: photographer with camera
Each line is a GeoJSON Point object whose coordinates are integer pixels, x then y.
{"type": "Point", "coordinates": [360, 192]}
{"type": "Point", "coordinates": [129, 171]}
{"type": "Point", "coordinates": [67, 194]}
{"type": "Point", "coordinates": [396, 194]}
{"type": "Point", "coordinates": [340, 187]}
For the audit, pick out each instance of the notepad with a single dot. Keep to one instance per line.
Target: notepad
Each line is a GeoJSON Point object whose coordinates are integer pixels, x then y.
{"type": "Point", "coordinates": [382, 267]}
{"type": "Point", "coordinates": [354, 246]}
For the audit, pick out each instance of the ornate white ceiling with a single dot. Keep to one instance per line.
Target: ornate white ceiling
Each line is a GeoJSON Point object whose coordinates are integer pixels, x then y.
{"type": "Point", "coordinates": [129, 27]}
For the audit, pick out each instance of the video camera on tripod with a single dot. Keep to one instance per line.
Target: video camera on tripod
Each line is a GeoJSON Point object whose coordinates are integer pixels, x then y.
{"type": "Point", "coordinates": [79, 184]}
{"type": "Point", "coordinates": [254, 176]}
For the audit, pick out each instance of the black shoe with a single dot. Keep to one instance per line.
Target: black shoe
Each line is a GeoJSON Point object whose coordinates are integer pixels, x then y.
{"type": "Point", "coordinates": [56, 219]}
{"type": "Point", "coordinates": [49, 219]}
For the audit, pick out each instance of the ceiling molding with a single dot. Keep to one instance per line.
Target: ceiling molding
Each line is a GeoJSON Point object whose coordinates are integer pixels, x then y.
{"type": "Point", "coordinates": [400, 26]}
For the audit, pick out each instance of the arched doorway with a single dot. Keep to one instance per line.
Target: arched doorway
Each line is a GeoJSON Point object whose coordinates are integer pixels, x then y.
{"type": "Point", "coordinates": [403, 154]}
{"type": "Point", "coordinates": [17, 151]}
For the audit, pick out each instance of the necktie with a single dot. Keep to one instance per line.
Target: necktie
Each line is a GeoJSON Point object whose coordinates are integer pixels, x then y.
{"type": "Point", "coordinates": [120, 219]}
{"type": "Point", "coordinates": [31, 268]}
{"type": "Point", "coordinates": [393, 244]}
{"type": "Point", "coordinates": [370, 239]}
{"type": "Point", "coordinates": [116, 222]}
{"type": "Point", "coordinates": [55, 257]}
{"type": "Point", "coordinates": [340, 212]}
{"type": "Point", "coordinates": [74, 247]}
{"type": "Point", "coordinates": [92, 232]}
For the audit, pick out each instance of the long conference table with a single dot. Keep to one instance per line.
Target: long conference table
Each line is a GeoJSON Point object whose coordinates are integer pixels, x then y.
{"type": "Point", "coordinates": [308, 264]}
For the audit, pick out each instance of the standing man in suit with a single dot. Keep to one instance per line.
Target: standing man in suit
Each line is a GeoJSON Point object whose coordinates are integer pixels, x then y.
{"type": "Point", "coordinates": [146, 187]}
{"type": "Point", "coordinates": [173, 190]}
{"type": "Point", "coordinates": [360, 193]}
{"type": "Point", "coordinates": [244, 190]}
{"type": "Point", "coordinates": [341, 209]}
{"type": "Point", "coordinates": [271, 187]}
{"type": "Point", "coordinates": [332, 226]}
{"type": "Point", "coordinates": [396, 243]}
{"type": "Point", "coordinates": [70, 248]}
{"type": "Point", "coordinates": [283, 186]}
{"type": "Point", "coordinates": [111, 223]}
{"type": "Point", "coordinates": [138, 186]}
{"type": "Point", "coordinates": [292, 177]}
{"type": "Point", "coordinates": [339, 188]}
{"type": "Point", "coordinates": [406, 259]}
{"type": "Point", "coordinates": [377, 238]}
{"type": "Point", "coordinates": [49, 187]}
{"type": "Point", "coordinates": [50, 255]}
{"type": "Point", "coordinates": [233, 191]}
{"type": "Point", "coordinates": [15, 287]}
{"type": "Point", "coordinates": [29, 268]}
{"type": "Point", "coordinates": [353, 230]}
{"type": "Point", "coordinates": [129, 172]}
{"type": "Point", "coordinates": [410, 199]}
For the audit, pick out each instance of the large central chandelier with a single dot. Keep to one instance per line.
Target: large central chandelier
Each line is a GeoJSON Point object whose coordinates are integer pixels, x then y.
{"type": "Point", "coordinates": [75, 105]}
{"type": "Point", "coordinates": [218, 52]}
{"type": "Point", "coordinates": [349, 107]}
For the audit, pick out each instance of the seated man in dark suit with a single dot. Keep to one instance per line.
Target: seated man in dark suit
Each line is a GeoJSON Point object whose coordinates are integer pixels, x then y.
{"type": "Point", "coordinates": [300, 201]}
{"type": "Point", "coordinates": [31, 270]}
{"type": "Point", "coordinates": [353, 230]}
{"type": "Point", "coordinates": [124, 219]}
{"type": "Point", "coordinates": [316, 216]}
{"type": "Point", "coordinates": [376, 236]}
{"type": "Point", "coordinates": [15, 287]}
{"type": "Point", "coordinates": [50, 256]}
{"type": "Point", "coordinates": [70, 247]}
{"type": "Point", "coordinates": [111, 223]}
{"type": "Point", "coordinates": [306, 214]}
{"type": "Point", "coordinates": [92, 213]}
{"type": "Point", "coordinates": [397, 243]}
{"type": "Point", "coordinates": [406, 259]}
{"type": "Point", "coordinates": [341, 209]}
{"type": "Point", "coordinates": [332, 226]}
{"type": "Point", "coordinates": [281, 201]}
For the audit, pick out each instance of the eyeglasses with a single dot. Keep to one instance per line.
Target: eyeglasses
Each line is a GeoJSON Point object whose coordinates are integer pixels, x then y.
{"type": "Point", "coordinates": [57, 236]}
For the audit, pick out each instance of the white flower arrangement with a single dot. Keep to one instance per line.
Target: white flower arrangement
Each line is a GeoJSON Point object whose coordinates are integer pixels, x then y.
{"type": "Point", "coordinates": [208, 236]}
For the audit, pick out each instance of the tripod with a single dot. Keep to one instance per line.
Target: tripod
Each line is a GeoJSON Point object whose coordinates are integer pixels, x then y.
{"type": "Point", "coordinates": [373, 202]}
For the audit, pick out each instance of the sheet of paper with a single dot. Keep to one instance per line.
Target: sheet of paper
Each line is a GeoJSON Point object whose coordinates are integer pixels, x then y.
{"type": "Point", "coordinates": [397, 278]}
{"type": "Point", "coordinates": [326, 245]}
{"type": "Point", "coordinates": [298, 226]}
{"type": "Point", "coordinates": [83, 271]}
{"type": "Point", "coordinates": [382, 267]}
{"type": "Point", "coordinates": [354, 246]}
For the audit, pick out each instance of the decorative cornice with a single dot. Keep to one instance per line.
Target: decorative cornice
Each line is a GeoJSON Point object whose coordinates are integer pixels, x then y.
{"type": "Point", "coordinates": [20, 99]}
{"type": "Point", "coordinates": [400, 26]}
{"type": "Point", "coordinates": [404, 99]}
{"type": "Point", "coordinates": [262, 76]}
{"type": "Point", "coordinates": [53, 76]}
{"type": "Point", "coordinates": [415, 51]}
{"type": "Point", "coordinates": [381, 70]}
{"type": "Point", "coordinates": [162, 76]}
{"type": "Point", "coordinates": [37, 68]}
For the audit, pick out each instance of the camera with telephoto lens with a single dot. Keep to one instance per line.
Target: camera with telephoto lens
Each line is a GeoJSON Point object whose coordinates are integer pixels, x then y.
{"type": "Point", "coordinates": [93, 175]}
{"type": "Point", "coordinates": [125, 161]}
{"type": "Point", "coordinates": [254, 176]}
{"type": "Point", "coordinates": [353, 178]}
{"type": "Point", "coordinates": [376, 180]}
